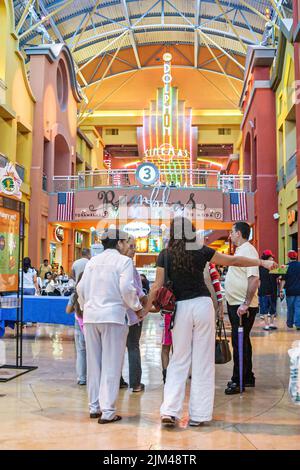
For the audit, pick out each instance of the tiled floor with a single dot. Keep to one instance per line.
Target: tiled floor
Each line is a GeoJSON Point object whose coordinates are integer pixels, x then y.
{"type": "Point", "coordinates": [46, 409]}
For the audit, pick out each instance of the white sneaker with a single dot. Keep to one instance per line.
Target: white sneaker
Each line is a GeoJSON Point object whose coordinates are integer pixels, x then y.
{"type": "Point", "coordinates": [195, 423]}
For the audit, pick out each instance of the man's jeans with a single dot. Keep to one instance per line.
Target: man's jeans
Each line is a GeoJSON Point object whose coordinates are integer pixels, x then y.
{"type": "Point", "coordinates": [80, 354]}
{"type": "Point", "coordinates": [134, 355]}
{"type": "Point", "coordinates": [293, 311]}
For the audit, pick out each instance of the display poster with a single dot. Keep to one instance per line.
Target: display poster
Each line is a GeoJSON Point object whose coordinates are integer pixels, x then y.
{"type": "Point", "coordinates": [9, 249]}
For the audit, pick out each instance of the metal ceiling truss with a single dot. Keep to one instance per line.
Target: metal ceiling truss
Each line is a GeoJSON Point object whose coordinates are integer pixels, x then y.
{"type": "Point", "coordinates": [41, 16]}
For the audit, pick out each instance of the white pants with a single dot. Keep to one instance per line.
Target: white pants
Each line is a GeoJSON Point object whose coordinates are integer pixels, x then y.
{"type": "Point", "coordinates": [193, 345]}
{"type": "Point", "coordinates": [105, 348]}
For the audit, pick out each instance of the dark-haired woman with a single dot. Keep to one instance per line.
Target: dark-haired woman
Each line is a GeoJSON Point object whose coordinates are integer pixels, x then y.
{"type": "Point", "coordinates": [194, 329]}
{"type": "Point", "coordinates": [30, 284]}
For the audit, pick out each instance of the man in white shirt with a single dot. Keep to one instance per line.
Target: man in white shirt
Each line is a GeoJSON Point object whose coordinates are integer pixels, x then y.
{"type": "Point", "coordinates": [241, 286]}
{"type": "Point", "coordinates": [105, 292]}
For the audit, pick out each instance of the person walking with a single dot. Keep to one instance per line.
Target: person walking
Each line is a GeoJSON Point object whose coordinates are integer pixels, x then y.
{"type": "Point", "coordinates": [291, 283]}
{"type": "Point", "coordinates": [30, 284]}
{"type": "Point", "coordinates": [79, 265]}
{"type": "Point", "coordinates": [105, 293]}
{"type": "Point", "coordinates": [194, 326]}
{"type": "Point", "coordinates": [267, 293]}
{"type": "Point", "coordinates": [135, 331]}
{"type": "Point", "coordinates": [241, 287]}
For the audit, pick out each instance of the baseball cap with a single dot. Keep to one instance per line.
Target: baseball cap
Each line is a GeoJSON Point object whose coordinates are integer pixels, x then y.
{"type": "Point", "coordinates": [268, 253]}
{"type": "Point", "coordinates": [292, 254]}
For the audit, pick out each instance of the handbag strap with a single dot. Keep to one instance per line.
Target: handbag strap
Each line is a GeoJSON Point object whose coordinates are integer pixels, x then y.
{"type": "Point", "coordinates": [220, 326]}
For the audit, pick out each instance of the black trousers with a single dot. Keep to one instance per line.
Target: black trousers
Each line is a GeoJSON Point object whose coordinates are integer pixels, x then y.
{"type": "Point", "coordinates": [134, 355]}
{"type": "Point", "coordinates": [247, 323]}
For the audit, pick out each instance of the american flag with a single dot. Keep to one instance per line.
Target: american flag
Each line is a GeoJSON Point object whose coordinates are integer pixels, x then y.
{"type": "Point", "coordinates": [65, 206]}
{"type": "Point", "coordinates": [238, 206]}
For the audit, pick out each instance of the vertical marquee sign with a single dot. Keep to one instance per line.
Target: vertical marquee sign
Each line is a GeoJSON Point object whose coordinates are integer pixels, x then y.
{"type": "Point", "coordinates": [167, 137]}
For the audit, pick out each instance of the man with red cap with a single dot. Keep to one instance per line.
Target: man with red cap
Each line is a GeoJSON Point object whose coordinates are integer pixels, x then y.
{"type": "Point", "coordinates": [267, 293]}
{"type": "Point", "coordinates": [291, 282]}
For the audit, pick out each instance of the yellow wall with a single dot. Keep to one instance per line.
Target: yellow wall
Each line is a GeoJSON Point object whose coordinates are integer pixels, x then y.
{"type": "Point", "coordinates": [286, 147]}
{"type": "Point", "coordinates": [16, 103]}
{"type": "Point", "coordinates": [209, 134]}
{"type": "Point", "coordinates": [93, 157]}
{"type": "Point", "coordinates": [126, 136]}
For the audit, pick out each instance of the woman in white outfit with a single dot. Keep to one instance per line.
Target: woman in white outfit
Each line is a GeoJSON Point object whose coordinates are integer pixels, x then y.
{"type": "Point", "coordinates": [194, 328]}
{"type": "Point", "coordinates": [105, 292]}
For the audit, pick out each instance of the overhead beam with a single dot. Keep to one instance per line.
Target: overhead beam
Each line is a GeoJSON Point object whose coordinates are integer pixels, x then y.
{"type": "Point", "coordinates": [102, 78]}
{"type": "Point", "coordinates": [103, 49]}
{"type": "Point", "coordinates": [279, 13]}
{"type": "Point", "coordinates": [196, 37]}
{"type": "Point", "coordinates": [131, 35]}
{"type": "Point", "coordinates": [221, 49]}
{"type": "Point", "coordinates": [238, 94]}
{"type": "Point", "coordinates": [257, 12]}
{"type": "Point", "coordinates": [24, 16]}
{"type": "Point", "coordinates": [86, 22]}
{"type": "Point", "coordinates": [99, 103]}
{"type": "Point", "coordinates": [230, 24]}
{"type": "Point", "coordinates": [46, 18]}
{"type": "Point", "coordinates": [52, 22]}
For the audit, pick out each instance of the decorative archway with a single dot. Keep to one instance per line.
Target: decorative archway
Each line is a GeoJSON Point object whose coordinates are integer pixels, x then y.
{"type": "Point", "coordinates": [62, 156]}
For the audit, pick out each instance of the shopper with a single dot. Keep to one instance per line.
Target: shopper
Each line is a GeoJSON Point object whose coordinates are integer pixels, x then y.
{"type": "Point", "coordinates": [211, 279]}
{"type": "Point", "coordinates": [267, 293]}
{"type": "Point", "coordinates": [72, 306]}
{"type": "Point", "coordinates": [30, 284]}
{"type": "Point", "coordinates": [291, 283]}
{"type": "Point", "coordinates": [194, 328]}
{"type": "Point", "coordinates": [45, 268]}
{"type": "Point", "coordinates": [135, 331]}
{"type": "Point", "coordinates": [79, 265]}
{"type": "Point", "coordinates": [241, 286]}
{"type": "Point", "coordinates": [105, 293]}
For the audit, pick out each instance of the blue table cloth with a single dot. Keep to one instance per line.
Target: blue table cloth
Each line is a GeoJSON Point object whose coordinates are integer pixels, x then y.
{"type": "Point", "coordinates": [39, 309]}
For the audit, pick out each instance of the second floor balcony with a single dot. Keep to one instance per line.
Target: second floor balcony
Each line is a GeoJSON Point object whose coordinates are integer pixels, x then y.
{"type": "Point", "coordinates": [123, 178]}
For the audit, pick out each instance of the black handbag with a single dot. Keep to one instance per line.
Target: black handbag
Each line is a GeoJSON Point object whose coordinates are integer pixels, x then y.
{"type": "Point", "coordinates": [222, 349]}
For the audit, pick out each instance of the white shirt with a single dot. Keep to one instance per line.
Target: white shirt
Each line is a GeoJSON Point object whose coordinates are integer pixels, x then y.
{"type": "Point", "coordinates": [106, 289]}
{"type": "Point", "coordinates": [236, 280]}
{"type": "Point", "coordinates": [28, 277]}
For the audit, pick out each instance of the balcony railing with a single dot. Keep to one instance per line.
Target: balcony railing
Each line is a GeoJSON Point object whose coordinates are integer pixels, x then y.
{"type": "Point", "coordinates": [123, 178]}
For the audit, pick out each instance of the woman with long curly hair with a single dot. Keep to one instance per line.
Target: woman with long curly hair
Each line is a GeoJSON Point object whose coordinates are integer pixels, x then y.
{"type": "Point", "coordinates": [194, 327]}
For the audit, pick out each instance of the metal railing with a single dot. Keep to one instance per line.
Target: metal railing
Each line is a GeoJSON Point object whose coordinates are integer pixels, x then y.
{"type": "Point", "coordinates": [177, 178]}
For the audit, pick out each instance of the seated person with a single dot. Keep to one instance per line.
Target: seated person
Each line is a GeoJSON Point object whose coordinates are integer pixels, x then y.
{"type": "Point", "coordinates": [47, 279]}
{"type": "Point", "coordinates": [52, 286]}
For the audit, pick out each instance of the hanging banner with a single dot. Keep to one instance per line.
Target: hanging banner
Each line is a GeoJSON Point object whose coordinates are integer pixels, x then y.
{"type": "Point", "coordinates": [9, 249]}
{"type": "Point", "coordinates": [10, 181]}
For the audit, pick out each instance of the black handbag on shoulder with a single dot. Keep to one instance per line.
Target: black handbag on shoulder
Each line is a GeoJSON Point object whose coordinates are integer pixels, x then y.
{"type": "Point", "coordinates": [222, 351]}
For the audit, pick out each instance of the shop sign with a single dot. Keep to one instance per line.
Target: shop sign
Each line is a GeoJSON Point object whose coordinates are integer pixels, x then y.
{"type": "Point", "coordinates": [147, 174]}
{"type": "Point", "coordinates": [166, 152]}
{"type": "Point", "coordinates": [78, 238]}
{"type": "Point", "coordinates": [9, 250]}
{"type": "Point", "coordinates": [137, 229]}
{"type": "Point", "coordinates": [59, 234]}
{"type": "Point", "coordinates": [10, 182]}
{"type": "Point", "coordinates": [159, 202]}
{"type": "Point", "coordinates": [292, 217]}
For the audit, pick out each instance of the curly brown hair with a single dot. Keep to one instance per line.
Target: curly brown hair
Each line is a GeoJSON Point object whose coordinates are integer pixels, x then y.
{"type": "Point", "coordinates": [182, 233]}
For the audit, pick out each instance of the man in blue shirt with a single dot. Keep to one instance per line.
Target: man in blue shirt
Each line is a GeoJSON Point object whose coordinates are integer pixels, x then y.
{"type": "Point", "coordinates": [291, 282]}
